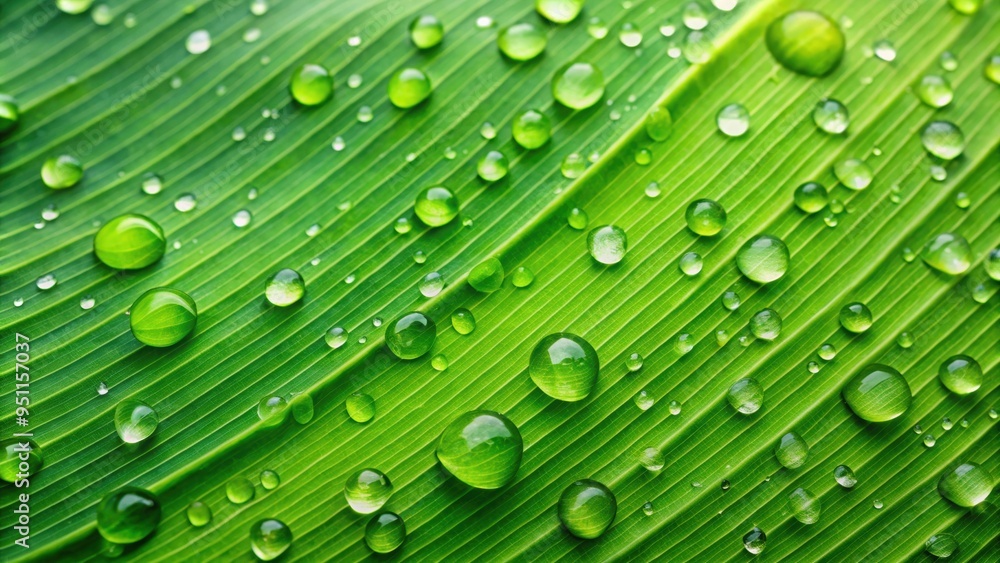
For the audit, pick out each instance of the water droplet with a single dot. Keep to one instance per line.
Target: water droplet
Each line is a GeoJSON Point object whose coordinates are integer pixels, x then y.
{"type": "Point", "coordinates": [482, 449]}
{"type": "Point", "coordinates": [731, 300]}
{"type": "Point", "coordinates": [845, 476]}
{"type": "Point", "coordinates": [941, 545]}
{"type": "Point", "coordinates": [365, 115]}
{"type": "Point", "coordinates": [607, 244]}
{"type": "Point", "coordinates": [966, 485]}
{"type": "Point", "coordinates": [577, 219]}
{"type": "Point", "coordinates": [883, 49]}
{"type": "Point", "coordinates": [733, 120]}
{"type": "Point", "coordinates": [746, 395]}
{"type": "Point", "coordinates": [634, 362]}
{"type": "Point", "coordinates": [336, 337]}
{"type": "Point", "coordinates": [258, 7]}
{"type": "Point", "coordinates": [522, 41]}
{"type": "Point", "coordinates": [947, 424]}
{"type": "Point", "coordinates": [484, 22]}
{"type": "Point", "coordinates": [60, 172]}
{"type": "Point", "coordinates": [564, 366]}
{"type": "Point", "coordinates": [87, 303]}
{"type": "Point", "coordinates": [966, 7]}
{"type": "Point", "coordinates": [269, 538]}
{"type": "Point", "coordinates": [487, 276]}
{"type": "Point", "coordinates": [961, 374]}
{"type": "Point", "coordinates": [597, 28]}
{"type": "Point", "coordinates": [763, 259]}
{"type": "Point", "coordinates": [408, 87]}
{"type": "Point", "coordinates": [242, 218]}
{"type": "Point", "coordinates": [360, 407]}
{"type": "Point", "coordinates": [269, 479]}
{"type": "Point", "coordinates": [198, 42]}
{"type": "Point", "coordinates": [630, 35]}
{"type": "Point", "coordinates": [811, 197]}
{"type": "Point", "coordinates": [522, 277]}
{"type": "Point", "coordinates": [432, 284]}
{"type": "Point", "coordinates": [691, 263]}
{"type": "Point", "coordinates": [426, 31]}
{"type": "Point", "coordinates": [531, 129]}
{"type": "Point", "coordinates": [302, 406]}
{"type": "Point", "coordinates": [806, 42]}
{"type": "Point", "coordinates": [573, 165]}
{"type": "Point", "coordinates": [755, 540]}
{"type": "Point", "coordinates": [135, 421]}
{"type": "Point", "coordinates": [354, 40]}
{"type": "Point", "coordinates": [284, 287]}
{"type": "Point", "coordinates": [251, 35]}
{"type": "Point", "coordinates": [199, 514]}
{"type": "Point", "coordinates": [436, 206]}
{"type": "Point", "coordinates": [411, 335]}
{"type": "Point", "coordinates": [643, 400]}
{"type": "Point", "coordinates": [385, 532]}
{"type": "Point", "coordinates": [831, 116]}
{"type": "Point", "coordinates": [856, 317]}
{"type": "Point", "coordinates": [419, 256]}
{"type": "Point", "coordinates": [128, 515]}
{"type": "Point", "coordinates": [721, 337]}
{"type": "Point", "coordinates": [904, 340]}
{"type": "Point", "coordinates": [272, 410]}
{"type": "Point", "coordinates": [647, 509]}
{"type": "Point", "coordinates": [587, 508]}
{"type": "Point", "coordinates": [766, 324]}
{"type": "Point", "coordinates": [694, 16]}
{"type": "Point", "coordinates": [559, 11]}
{"type": "Point", "coordinates": [878, 393]}
{"type": "Point", "coordinates": [674, 408]}
{"type": "Point", "coordinates": [643, 157]}
{"type": "Point", "coordinates": [805, 506]}
{"type": "Point", "coordinates": [935, 91]}
{"type": "Point", "coordinates": [948, 253]}
{"type": "Point", "coordinates": [367, 490]}
{"type": "Point", "coordinates": [943, 139]}
{"type": "Point", "coordinates": [853, 173]}
{"type": "Point", "coordinates": [652, 189]}
{"type": "Point", "coordinates": [792, 450]}
{"type": "Point", "coordinates": [338, 144]}
{"type": "Point", "coordinates": [130, 242]}
{"type": "Point", "coordinates": [696, 48]}
{"type": "Point", "coordinates": [488, 131]}
{"type": "Point", "coordinates": [651, 459]}
{"type": "Point", "coordinates": [162, 317]}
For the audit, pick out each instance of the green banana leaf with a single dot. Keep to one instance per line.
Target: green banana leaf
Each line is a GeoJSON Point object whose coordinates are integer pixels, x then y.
{"type": "Point", "coordinates": [126, 98]}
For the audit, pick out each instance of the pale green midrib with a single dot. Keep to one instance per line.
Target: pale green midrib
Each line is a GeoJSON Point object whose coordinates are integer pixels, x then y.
{"type": "Point", "coordinates": [634, 129]}
{"type": "Point", "coordinates": [203, 124]}
{"type": "Point", "coordinates": [64, 62]}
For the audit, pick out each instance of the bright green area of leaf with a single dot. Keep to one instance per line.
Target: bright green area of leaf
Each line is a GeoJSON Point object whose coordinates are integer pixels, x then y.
{"type": "Point", "coordinates": [122, 118]}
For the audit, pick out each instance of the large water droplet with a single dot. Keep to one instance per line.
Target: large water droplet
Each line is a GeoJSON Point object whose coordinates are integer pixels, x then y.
{"type": "Point", "coordinates": [367, 490]}
{"type": "Point", "coordinates": [966, 485]}
{"type": "Point", "coordinates": [763, 259]}
{"type": "Point", "coordinates": [949, 253]}
{"type": "Point", "coordinates": [587, 508]}
{"type": "Point", "coordinates": [128, 515]}
{"type": "Point", "coordinates": [607, 244]}
{"type": "Point", "coordinates": [482, 449]}
{"type": "Point", "coordinates": [806, 42]}
{"type": "Point", "coordinates": [878, 393]}
{"type": "Point", "coordinates": [130, 242]}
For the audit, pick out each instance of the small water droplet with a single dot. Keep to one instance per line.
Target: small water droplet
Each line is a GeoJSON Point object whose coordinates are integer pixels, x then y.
{"type": "Point", "coordinates": [242, 218]}
{"type": "Point", "coordinates": [338, 144]}
{"type": "Point", "coordinates": [198, 42]}
{"type": "Point", "coordinates": [48, 281]}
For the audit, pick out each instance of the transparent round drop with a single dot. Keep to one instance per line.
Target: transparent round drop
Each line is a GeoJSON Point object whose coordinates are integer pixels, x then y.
{"type": "Point", "coordinates": [943, 139]}
{"type": "Point", "coordinates": [522, 41]}
{"type": "Point", "coordinates": [690, 263]}
{"type": "Point", "coordinates": [934, 91]}
{"type": "Point", "coordinates": [198, 514]}
{"type": "Point", "coordinates": [559, 11]}
{"type": "Point", "coordinates": [587, 508]}
{"type": "Point", "coordinates": [302, 406]}
{"type": "Point", "coordinates": [651, 459]}
{"type": "Point", "coordinates": [766, 324]}
{"type": "Point", "coordinates": [573, 165]}
{"type": "Point", "coordinates": [705, 217]}
{"type": "Point", "coordinates": [731, 300]}
{"type": "Point", "coordinates": [367, 490]}
{"type": "Point", "coordinates": [961, 374]}
{"type": "Point", "coordinates": [185, 202]}
{"type": "Point", "coordinates": [597, 28]}
{"type": "Point", "coordinates": [272, 410]}
{"type": "Point", "coordinates": [385, 532]}
{"type": "Point", "coordinates": [336, 337]}
{"type": "Point", "coordinates": [531, 129]}
{"type": "Point", "coordinates": [755, 540]}
{"type": "Point", "coordinates": [463, 321]}
{"type": "Point", "coordinates": [60, 172]}
{"type": "Point", "coordinates": [948, 253]}
{"type": "Point", "coordinates": [806, 42]}
{"type": "Point", "coordinates": [284, 287]}
{"type": "Point", "coordinates": [130, 242]}
{"type": "Point", "coordinates": [941, 545]}
{"type": "Point", "coordinates": [493, 166]}
{"type": "Point", "coordinates": [856, 317]}
{"type": "Point", "coordinates": [128, 515]}
{"type": "Point", "coordinates": [659, 124]}
{"type": "Point", "coordinates": [162, 317]}
{"type": "Point", "coordinates": [633, 362]}
{"type": "Point", "coordinates": [831, 116]}
{"type": "Point", "coordinates": [410, 336]}
{"type": "Point", "coordinates": [578, 85]}
{"type": "Point", "coordinates": [630, 35]}
{"type": "Point", "coordinates": [432, 284]}
{"type": "Point", "coordinates": [763, 259]}
{"type": "Point", "coordinates": [436, 206]}
{"type": "Point", "coordinates": [966, 7]}
{"type": "Point", "coordinates": [791, 451]}
{"type": "Point", "coordinates": [746, 395]}
{"type": "Point", "coordinates": [269, 479]}
{"type": "Point", "coordinates": [696, 48]}
{"type": "Point", "coordinates": [270, 538]}
{"type": "Point", "coordinates": [239, 490]}
{"type": "Point", "coordinates": [607, 244]}
{"type": "Point", "coordinates": [844, 476]}
{"type": "Point", "coordinates": [360, 407]}
{"type": "Point", "coordinates": [564, 366]}
{"type": "Point", "coordinates": [487, 276]}
{"type": "Point", "coordinates": [408, 87]}
{"type": "Point", "coordinates": [522, 277]}
{"type": "Point", "coordinates": [805, 505]}
{"type": "Point", "coordinates": [482, 449]}
{"type": "Point", "coordinates": [311, 84]}
{"type": "Point", "coordinates": [426, 31]}
{"type": "Point", "coordinates": [811, 197]}
{"type": "Point", "coordinates": [966, 485]}
{"type": "Point", "coordinates": [878, 393]}
{"type": "Point", "coordinates": [853, 173]}
{"type": "Point", "coordinates": [577, 219]}
{"type": "Point", "coordinates": [198, 42]}
{"type": "Point", "coordinates": [135, 421]}
{"type": "Point", "coordinates": [904, 340]}
{"type": "Point", "coordinates": [694, 16]}
{"type": "Point", "coordinates": [733, 120]}
{"type": "Point", "coordinates": [884, 50]}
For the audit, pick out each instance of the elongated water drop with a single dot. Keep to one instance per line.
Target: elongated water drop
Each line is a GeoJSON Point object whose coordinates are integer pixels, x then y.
{"type": "Point", "coordinates": [426, 31]}
{"type": "Point", "coordinates": [853, 173]}
{"type": "Point", "coordinates": [559, 11]}
{"type": "Point", "coordinates": [408, 87]}
{"type": "Point", "coordinates": [487, 276]}
{"type": "Point", "coordinates": [943, 139]}
{"type": "Point", "coordinates": [844, 476]}
{"type": "Point", "coordinates": [941, 545]}
{"type": "Point", "coordinates": [949, 253]}
{"type": "Point", "coordinates": [19, 458]}
{"type": "Point", "coordinates": [935, 91]}
{"type": "Point", "coordinates": [755, 540]}
{"type": "Point", "coordinates": [60, 172]}
{"type": "Point", "coordinates": [130, 242]}
{"type": "Point", "coordinates": [135, 421]}
{"type": "Point", "coordinates": [805, 506]}
{"type": "Point", "coordinates": [162, 317]}
{"type": "Point", "coordinates": [360, 407]}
